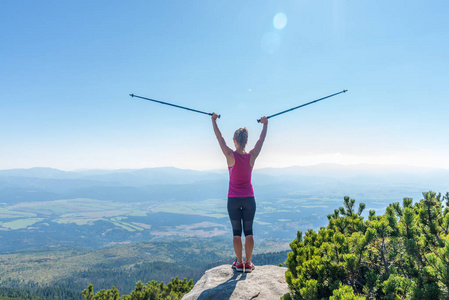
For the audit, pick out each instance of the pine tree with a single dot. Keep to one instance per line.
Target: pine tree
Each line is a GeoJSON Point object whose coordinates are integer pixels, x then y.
{"type": "Point", "coordinates": [153, 290]}
{"type": "Point", "coordinates": [403, 254]}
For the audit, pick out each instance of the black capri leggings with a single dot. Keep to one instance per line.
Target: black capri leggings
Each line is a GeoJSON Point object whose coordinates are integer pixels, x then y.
{"type": "Point", "coordinates": [242, 210]}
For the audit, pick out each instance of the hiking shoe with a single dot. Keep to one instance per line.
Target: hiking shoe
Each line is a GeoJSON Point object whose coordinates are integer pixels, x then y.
{"type": "Point", "coordinates": [239, 266]}
{"type": "Point", "coordinates": [234, 264]}
{"type": "Point", "coordinates": [249, 268]}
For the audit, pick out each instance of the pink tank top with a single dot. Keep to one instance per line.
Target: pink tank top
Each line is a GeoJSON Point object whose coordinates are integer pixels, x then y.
{"type": "Point", "coordinates": [240, 177]}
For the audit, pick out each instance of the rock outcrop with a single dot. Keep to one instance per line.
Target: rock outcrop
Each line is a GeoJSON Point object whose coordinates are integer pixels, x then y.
{"type": "Point", "coordinates": [222, 282]}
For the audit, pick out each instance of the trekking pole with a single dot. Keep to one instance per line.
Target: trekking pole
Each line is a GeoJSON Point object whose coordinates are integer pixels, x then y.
{"type": "Point", "coordinates": [178, 106]}
{"type": "Point", "coordinates": [283, 112]}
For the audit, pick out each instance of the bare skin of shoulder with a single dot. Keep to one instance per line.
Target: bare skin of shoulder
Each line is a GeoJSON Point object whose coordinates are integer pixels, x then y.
{"type": "Point", "coordinates": [228, 152]}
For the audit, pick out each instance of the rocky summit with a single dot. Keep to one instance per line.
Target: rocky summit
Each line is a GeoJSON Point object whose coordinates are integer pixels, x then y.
{"type": "Point", "coordinates": [222, 282]}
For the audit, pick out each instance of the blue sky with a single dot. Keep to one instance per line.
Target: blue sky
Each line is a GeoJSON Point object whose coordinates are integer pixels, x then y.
{"type": "Point", "coordinates": [67, 67]}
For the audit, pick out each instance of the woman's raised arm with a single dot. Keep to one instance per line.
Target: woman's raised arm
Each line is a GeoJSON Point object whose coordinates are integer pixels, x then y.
{"type": "Point", "coordinates": [256, 150]}
{"type": "Point", "coordinates": [221, 141]}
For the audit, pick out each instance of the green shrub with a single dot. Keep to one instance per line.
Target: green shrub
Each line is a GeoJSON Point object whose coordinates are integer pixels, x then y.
{"type": "Point", "coordinates": [151, 291]}
{"type": "Point", "coordinates": [403, 254]}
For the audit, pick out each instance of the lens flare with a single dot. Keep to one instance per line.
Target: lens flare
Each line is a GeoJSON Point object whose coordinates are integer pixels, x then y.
{"type": "Point", "coordinates": [280, 21]}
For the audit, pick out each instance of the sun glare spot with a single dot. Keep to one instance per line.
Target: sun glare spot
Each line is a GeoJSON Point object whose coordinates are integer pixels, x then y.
{"type": "Point", "coordinates": [279, 21]}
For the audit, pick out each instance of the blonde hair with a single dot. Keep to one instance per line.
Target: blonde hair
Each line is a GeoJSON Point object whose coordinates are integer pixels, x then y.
{"type": "Point", "coordinates": [241, 136]}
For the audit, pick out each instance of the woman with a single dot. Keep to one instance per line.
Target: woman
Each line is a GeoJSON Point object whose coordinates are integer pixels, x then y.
{"type": "Point", "coordinates": [241, 201]}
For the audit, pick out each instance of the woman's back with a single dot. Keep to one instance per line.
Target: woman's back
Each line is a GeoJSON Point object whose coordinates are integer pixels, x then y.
{"type": "Point", "coordinates": [240, 176]}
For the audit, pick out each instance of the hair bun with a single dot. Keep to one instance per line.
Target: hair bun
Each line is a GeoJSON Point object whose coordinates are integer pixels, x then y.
{"type": "Point", "coordinates": [241, 137]}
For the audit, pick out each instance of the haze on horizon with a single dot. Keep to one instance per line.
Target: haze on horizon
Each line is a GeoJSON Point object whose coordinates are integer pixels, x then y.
{"type": "Point", "coordinates": [66, 70]}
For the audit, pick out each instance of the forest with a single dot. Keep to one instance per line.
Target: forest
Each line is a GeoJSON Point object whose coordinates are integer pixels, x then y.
{"type": "Point", "coordinates": [108, 277]}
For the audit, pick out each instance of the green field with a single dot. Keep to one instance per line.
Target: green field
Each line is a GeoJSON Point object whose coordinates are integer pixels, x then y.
{"type": "Point", "coordinates": [21, 223]}
{"type": "Point", "coordinates": [7, 213]}
{"type": "Point", "coordinates": [125, 225]}
{"type": "Point", "coordinates": [215, 208]}
{"type": "Point", "coordinates": [79, 211]}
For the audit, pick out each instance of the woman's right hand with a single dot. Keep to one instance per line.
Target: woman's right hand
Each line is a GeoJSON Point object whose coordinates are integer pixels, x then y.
{"type": "Point", "coordinates": [215, 116]}
{"type": "Point", "coordinates": [264, 120]}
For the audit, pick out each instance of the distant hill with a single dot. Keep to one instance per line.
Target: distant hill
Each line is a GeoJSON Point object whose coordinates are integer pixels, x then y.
{"type": "Point", "coordinates": [171, 175]}
{"type": "Point", "coordinates": [35, 172]}
{"type": "Point", "coordinates": [130, 177]}
{"type": "Point", "coordinates": [393, 174]}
